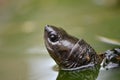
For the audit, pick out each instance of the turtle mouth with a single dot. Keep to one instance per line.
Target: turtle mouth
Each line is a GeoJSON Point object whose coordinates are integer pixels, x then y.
{"type": "Point", "coordinates": [47, 29]}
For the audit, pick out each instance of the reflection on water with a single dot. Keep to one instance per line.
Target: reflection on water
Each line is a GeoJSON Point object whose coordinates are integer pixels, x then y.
{"type": "Point", "coordinates": [87, 74]}
{"type": "Point", "coordinates": [21, 32]}
{"type": "Point", "coordinates": [113, 74]}
{"type": "Point", "coordinates": [41, 68]}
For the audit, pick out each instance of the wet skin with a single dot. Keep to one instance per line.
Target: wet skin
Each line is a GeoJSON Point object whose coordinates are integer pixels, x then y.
{"type": "Point", "coordinates": [68, 51]}
{"type": "Point", "coordinates": [71, 53]}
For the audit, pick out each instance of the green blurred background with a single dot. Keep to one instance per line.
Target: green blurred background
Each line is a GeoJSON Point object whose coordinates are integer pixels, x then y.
{"type": "Point", "coordinates": [22, 51]}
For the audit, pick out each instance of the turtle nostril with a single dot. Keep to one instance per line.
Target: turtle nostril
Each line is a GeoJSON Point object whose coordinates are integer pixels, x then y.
{"type": "Point", "coordinates": [47, 27]}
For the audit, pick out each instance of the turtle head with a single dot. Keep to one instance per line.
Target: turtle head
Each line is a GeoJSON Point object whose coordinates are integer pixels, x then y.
{"type": "Point", "coordinates": [58, 43]}
{"type": "Point", "coordinates": [68, 51]}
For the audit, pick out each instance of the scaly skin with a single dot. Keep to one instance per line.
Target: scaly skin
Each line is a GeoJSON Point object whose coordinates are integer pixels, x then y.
{"type": "Point", "coordinates": [68, 51]}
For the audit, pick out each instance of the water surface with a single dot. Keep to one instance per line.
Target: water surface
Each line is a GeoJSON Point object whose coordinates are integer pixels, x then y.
{"type": "Point", "coordinates": [22, 52]}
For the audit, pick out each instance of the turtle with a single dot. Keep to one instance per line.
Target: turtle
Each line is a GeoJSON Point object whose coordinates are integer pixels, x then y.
{"type": "Point", "coordinates": [71, 53]}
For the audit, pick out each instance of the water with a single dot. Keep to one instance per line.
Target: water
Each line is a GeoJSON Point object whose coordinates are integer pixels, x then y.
{"type": "Point", "coordinates": [112, 74]}
{"type": "Point", "coordinates": [22, 52]}
{"type": "Point", "coordinates": [87, 74]}
{"type": "Point", "coordinates": [42, 66]}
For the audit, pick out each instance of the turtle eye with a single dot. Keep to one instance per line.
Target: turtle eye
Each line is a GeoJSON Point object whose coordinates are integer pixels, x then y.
{"type": "Point", "coordinates": [53, 37]}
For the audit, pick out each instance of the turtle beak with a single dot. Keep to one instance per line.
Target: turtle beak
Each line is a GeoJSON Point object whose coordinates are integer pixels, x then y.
{"type": "Point", "coordinates": [46, 31]}
{"type": "Point", "coordinates": [48, 28]}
